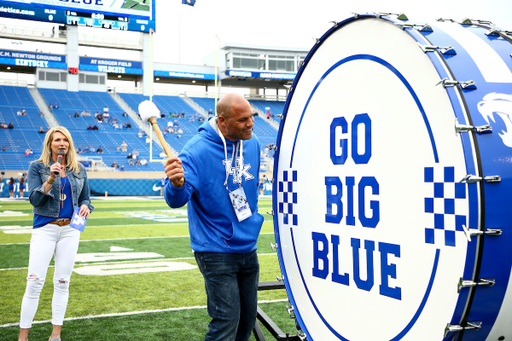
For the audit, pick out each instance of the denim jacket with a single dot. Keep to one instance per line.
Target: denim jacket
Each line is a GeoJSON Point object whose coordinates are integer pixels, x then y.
{"type": "Point", "coordinates": [48, 204]}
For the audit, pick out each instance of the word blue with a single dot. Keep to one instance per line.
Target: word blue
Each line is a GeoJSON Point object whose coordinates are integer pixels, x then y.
{"type": "Point", "coordinates": [321, 262]}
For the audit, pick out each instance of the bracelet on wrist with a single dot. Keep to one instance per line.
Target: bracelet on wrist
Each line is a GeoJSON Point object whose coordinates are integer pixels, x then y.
{"type": "Point", "coordinates": [50, 181]}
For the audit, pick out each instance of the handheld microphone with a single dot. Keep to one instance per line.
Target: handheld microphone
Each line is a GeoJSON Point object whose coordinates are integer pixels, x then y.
{"type": "Point", "coordinates": [59, 159]}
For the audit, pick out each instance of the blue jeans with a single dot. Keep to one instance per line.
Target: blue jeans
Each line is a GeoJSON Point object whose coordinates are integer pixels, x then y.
{"type": "Point", "coordinates": [231, 282]}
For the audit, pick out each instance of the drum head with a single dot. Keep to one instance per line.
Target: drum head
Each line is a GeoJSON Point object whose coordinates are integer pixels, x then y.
{"type": "Point", "coordinates": [370, 201]}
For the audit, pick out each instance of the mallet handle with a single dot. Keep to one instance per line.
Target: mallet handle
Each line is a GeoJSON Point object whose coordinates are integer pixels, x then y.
{"type": "Point", "coordinates": [167, 150]}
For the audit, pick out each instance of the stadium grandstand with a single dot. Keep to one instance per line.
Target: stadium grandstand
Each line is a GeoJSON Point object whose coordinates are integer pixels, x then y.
{"type": "Point", "coordinates": [77, 95]}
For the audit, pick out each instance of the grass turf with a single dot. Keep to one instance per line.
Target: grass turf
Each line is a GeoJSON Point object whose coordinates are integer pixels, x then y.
{"type": "Point", "coordinates": [109, 226]}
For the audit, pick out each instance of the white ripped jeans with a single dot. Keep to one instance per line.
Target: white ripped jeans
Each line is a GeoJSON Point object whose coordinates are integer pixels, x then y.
{"type": "Point", "coordinates": [47, 241]}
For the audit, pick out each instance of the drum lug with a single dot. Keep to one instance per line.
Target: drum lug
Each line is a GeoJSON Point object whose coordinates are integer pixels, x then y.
{"type": "Point", "coordinates": [291, 311]}
{"type": "Point", "coordinates": [474, 232]}
{"type": "Point", "coordinates": [421, 28]}
{"type": "Point", "coordinates": [469, 179]}
{"type": "Point", "coordinates": [468, 85]}
{"type": "Point", "coordinates": [467, 21]}
{"type": "Point", "coordinates": [399, 16]}
{"type": "Point", "coordinates": [468, 284]}
{"type": "Point", "coordinates": [334, 23]}
{"type": "Point", "coordinates": [280, 279]}
{"type": "Point", "coordinates": [270, 213]}
{"type": "Point", "coordinates": [450, 328]}
{"type": "Point", "coordinates": [273, 246]}
{"type": "Point", "coordinates": [445, 50]}
{"type": "Point", "coordinates": [460, 128]}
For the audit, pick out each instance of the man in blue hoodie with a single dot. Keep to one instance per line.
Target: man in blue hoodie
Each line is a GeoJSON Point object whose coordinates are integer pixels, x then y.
{"type": "Point", "coordinates": [217, 173]}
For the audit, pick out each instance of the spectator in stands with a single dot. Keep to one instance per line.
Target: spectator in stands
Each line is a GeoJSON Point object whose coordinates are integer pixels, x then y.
{"type": "Point", "coordinates": [140, 134]}
{"type": "Point", "coordinates": [54, 200]}
{"type": "Point", "coordinates": [162, 154]}
{"type": "Point", "coordinates": [118, 148]}
{"type": "Point", "coordinates": [50, 106]}
{"type": "Point", "coordinates": [115, 165]}
{"type": "Point", "coordinates": [105, 109]}
{"type": "Point", "coordinates": [100, 151]}
{"type": "Point", "coordinates": [124, 147]}
{"type": "Point", "coordinates": [115, 125]}
{"type": "Point", "coordinates": [18, 113]}
{"type": "Point", "coordinates": [56, 106]}
{"type": "Point", "coordinates": [210, 113]}
{"type": "Point", "coordinates": [143, 161]}
{"type": "Point", "coordinates": [11, 126]}
{"type": "Point", "coordinates": [41, 113]}
{"type": "Point", "coordinates": [27, 152]}
{"type": "Point", "coordinates": [122, 168]}
{"type": "Point", "coordinates": [5, 126]}
{"type": "Point", "coordinates": [128, 125]}
{"type": "Point", "coordinates": [129, 156]}
{"type": "Point", "coordinates": [180, 131]}
{"type": "Point", "coordinates": [89, 127]}
{"type": "Point", "coordinates": [125, 114]}
{"type": "Point", "coordinates": [135, 153]}
{"type": "Point", "coordinates": [92, 149]}
{"type": "Point", "coordinates": [169, 124]}
{"type": "Point", "coordinates": [230, 268]}
{"type": "Point", "coordinates": [131, 162]}
{"type": "Point", "coordinates": [41, 130]}
{"type": "Point", "coordinates": [137, 162]}
{"type": "Point", "coordinates": [12, 184]}
{"type": "Point", "coordinates": [4, 149]}
{"type": "Point", "coordinates": [162, 115]}
{"type": "Point", "coordinates": [86, 149]}
{"type": "Point", "coordinates": [76, 114]}
{"type": "Point", "coordinates": [95, 127]}
{"type": "Point", "coordinates": [79, 149]}
{"type": "Point", "coordinates": [23, 113]}
{"type": "Point", "coordinates": [31, 151]}
{"type": "Point", "coordinates": [83, 113]}
{"type": "Point", "coordinates": [148, 139]}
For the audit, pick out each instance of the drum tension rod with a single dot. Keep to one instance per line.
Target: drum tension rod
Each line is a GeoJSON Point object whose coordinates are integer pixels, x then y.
{"type": "Point", "coordinates": [469, 179]}
{"type": "Point", "coordinates": [445, 50]}
{"type": "Point", "coordinates": [468, 85]}
{"type": "Point", "coordinates": [291, 311]}
{"type": "Point", "coordinates": [474, 232]}
{"type": "Point", "coordinates": [494, 32]}
{"type": "Point", "coordinates": [273, 246]}
{"type": "Point", "coordinates": [419, 27]}
{"type": "Point", "coordinates": [461, 128]}
{"type": "Point", "coordinates": [399, 16]}
{"type": "Point", "coordinates": [489, 282]}
{"type": "Point", "coordinates": [450, 328]}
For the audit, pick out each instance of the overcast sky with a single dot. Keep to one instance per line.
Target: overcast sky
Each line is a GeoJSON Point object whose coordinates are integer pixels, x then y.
{"type": "Point", "coordinates": [290, 23]}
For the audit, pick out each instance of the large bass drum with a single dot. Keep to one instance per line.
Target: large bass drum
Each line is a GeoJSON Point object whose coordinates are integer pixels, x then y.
{"type": "Point", "coordinates": [392, 191]}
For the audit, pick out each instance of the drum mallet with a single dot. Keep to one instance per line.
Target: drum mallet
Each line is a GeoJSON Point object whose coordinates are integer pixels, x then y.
{"type": "Point", "coordinates": [149, 112]}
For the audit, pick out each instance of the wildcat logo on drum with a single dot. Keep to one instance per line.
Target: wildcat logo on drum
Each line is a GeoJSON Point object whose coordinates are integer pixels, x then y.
{"type": "Point", "coordinates": [501, 105]}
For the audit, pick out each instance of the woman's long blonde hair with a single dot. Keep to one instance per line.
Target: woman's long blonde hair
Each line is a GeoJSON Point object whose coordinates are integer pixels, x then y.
{"type": "Point", "coordinates": [71, 158]}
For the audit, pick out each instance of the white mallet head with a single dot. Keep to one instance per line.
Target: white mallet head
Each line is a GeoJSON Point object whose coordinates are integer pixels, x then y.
{"type": "Point", "coordinates": [147, 110]}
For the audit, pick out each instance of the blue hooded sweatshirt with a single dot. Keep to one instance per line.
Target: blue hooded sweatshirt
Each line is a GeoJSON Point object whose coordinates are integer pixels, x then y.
{"type": "Point", "coordinates": [213, 224]}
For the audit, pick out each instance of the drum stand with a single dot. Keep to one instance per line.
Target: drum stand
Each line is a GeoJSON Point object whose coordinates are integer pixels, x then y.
{"type": "Point", "coordinates": [267, 321]}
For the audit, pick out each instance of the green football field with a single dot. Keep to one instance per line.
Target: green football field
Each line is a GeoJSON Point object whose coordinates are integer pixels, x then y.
{"type": "Point", "coordinates": [135, 276]}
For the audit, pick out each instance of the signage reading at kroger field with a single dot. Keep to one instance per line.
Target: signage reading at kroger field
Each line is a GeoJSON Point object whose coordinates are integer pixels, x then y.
{"type": "Point", "coordinates": [370, 209]}
{"type": "Point", "coordinates": [112, 14]}
{"type": "Point", "coordinates": [111, 66]}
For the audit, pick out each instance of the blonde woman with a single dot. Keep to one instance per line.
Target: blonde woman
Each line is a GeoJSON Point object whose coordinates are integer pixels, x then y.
{"type": "Point", "coordinates": [56, 188]}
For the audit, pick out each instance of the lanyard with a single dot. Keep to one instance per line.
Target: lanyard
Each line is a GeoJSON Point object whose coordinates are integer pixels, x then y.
{"type": "Point", "coordinates": [237, 174]}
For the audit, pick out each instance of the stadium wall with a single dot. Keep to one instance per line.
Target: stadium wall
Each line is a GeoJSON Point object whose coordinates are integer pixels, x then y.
{"type": "Point", "coordinates": [101, 183]}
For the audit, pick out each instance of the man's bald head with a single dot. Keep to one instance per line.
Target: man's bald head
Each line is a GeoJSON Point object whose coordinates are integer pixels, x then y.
{"type": "Point", "coordinates": [235, 119]}
{"type": "Point", "coordinates": [227, 102]}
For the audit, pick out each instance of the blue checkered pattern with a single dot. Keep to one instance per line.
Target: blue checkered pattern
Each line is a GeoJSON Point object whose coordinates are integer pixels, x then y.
{"type": "Point", "coordinates": [288, 198]}
{"type": "Point", "coordinates": [447, 206]}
